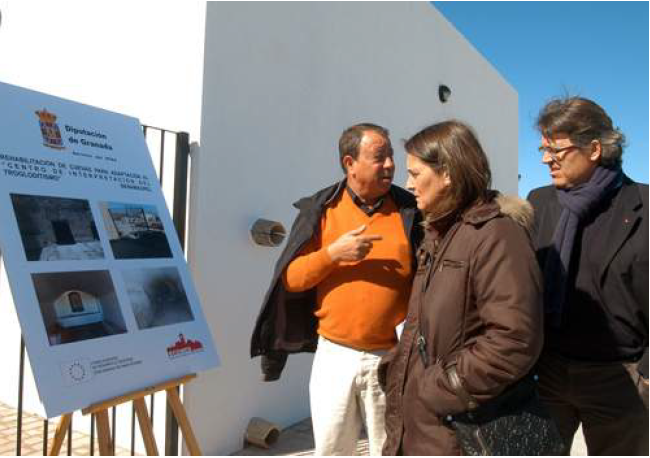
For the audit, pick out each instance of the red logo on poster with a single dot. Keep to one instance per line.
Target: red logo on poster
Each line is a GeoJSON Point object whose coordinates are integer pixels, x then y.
{"type": "Point", "coordinates": [184, 347]}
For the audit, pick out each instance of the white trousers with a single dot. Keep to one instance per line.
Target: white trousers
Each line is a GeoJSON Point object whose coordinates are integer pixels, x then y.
{"type": "Point", "coordinates": [345, 395]}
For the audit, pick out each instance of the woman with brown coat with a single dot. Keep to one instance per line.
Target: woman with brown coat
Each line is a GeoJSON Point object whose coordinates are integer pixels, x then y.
{"type": "Point", "coordinates": [475, 307]}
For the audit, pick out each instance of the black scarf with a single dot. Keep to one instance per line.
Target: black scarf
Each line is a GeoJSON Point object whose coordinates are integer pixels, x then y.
{"type": "Point", "coordinates": [578, 203]}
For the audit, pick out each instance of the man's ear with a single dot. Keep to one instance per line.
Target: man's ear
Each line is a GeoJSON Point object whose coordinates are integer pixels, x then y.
{"type": "Point", "coordinates": [347, 162]}
{"type": "Point", "coordinates": [596, 151]}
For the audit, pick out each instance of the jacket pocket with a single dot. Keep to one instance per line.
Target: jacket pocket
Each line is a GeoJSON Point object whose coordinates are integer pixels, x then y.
{"type": "Point", "coordinates": [451, 264]}
{"type": "Point", "coordinates": [435, 394]}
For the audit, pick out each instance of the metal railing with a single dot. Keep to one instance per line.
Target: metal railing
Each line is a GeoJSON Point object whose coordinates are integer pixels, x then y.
{"type": "Point", "coordinates": [155, 137]}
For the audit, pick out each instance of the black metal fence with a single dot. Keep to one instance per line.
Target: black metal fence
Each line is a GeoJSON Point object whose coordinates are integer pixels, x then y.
{"type": "Point", "coordinates": [174, 183]}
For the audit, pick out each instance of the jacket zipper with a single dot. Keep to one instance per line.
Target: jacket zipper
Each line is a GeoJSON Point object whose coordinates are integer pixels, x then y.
{"type": "Point", "coordinates": [435, 263]}
{"type": "Point", "coordinates": [422, 349]}
{"type": "Point", "coordinates": [421, 342]}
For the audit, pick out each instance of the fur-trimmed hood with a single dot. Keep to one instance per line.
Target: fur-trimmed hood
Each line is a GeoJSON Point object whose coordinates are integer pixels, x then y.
{"type": "Point", "coordinates": [516, 208]}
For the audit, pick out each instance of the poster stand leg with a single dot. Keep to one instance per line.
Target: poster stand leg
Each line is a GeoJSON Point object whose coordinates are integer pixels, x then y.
{"type": "Point", "coordinates": [145, 427]}
{"type": "Point", "coordinates": [103, 428]}
{"type": "Point", "coordinates": [104, 433]}
{"type": "Point", "coordinates": [61, 431]}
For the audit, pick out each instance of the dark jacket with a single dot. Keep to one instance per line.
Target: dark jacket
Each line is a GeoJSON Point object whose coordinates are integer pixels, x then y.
{"type": "Point", "coordinates": [622, 263]}
{"type": "Point", "coordinates": [477, 304]}
{"type": "Point", "coordinates": [286, 323]}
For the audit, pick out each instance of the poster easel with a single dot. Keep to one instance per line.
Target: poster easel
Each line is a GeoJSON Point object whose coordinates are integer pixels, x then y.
{"type": "Point", "coordinates": [103, 429]}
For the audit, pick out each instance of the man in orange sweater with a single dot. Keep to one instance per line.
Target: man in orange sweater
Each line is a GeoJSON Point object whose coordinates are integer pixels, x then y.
{"type": "Point", "coordinates": [342, 285]}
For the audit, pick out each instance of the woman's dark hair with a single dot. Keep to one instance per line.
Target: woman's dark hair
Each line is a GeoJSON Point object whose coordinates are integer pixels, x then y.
{"type": "Point", "coordinates": [583, 121]}
{"type": "Point", "coordinates": [452, 147]}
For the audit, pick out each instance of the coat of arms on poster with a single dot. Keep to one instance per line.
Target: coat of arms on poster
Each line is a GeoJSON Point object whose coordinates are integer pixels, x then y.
{"type": "Point", "coordinates": [50, 129]}
{"type": "Point", "coordinates": [104, 297]}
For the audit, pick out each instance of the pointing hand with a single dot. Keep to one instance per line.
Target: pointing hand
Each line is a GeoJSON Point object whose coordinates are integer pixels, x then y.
{"type": "Point", "coordinates": [352, 246]}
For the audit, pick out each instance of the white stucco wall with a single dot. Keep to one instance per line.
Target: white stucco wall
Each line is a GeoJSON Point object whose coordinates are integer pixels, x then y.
{"type": "Point", "coordinates": [281, 82]}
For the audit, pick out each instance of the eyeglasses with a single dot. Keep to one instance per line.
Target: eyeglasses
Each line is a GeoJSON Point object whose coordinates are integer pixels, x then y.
{"type": "Point", "coordinates": [557, 154]}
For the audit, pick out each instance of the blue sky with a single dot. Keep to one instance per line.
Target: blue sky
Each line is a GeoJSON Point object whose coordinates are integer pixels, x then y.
{"type": "Point", "coordinates": [598, 50]}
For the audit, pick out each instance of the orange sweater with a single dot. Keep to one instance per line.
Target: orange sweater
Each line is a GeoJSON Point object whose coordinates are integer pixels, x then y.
{"type": "Point", "coordinates": [358, 303]}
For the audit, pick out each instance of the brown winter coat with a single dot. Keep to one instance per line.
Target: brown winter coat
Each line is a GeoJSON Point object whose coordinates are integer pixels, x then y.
{"type": "Point", "coordinates": [478, 304]}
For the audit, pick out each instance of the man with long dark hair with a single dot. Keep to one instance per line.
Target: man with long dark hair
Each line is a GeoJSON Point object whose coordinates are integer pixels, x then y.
{"type": "Point", "coordinates": [591, 236]}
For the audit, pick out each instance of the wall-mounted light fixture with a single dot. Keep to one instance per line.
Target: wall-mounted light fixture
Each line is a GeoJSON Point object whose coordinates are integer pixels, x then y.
{"type": "Point", "coordinates": [444, 93]}
{"type": "Point", "coordinates": [268, 233]}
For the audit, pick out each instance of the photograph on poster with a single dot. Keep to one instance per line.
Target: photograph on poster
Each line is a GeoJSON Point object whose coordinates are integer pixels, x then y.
{"type": "Point", "coordinates": [78, 305]}
{"type": "Point", "coordinates": [135, 231]}
{"type": "Point", "coordinates": [157, 296]}
{"type": "Point", "coordinates": [56, 228]}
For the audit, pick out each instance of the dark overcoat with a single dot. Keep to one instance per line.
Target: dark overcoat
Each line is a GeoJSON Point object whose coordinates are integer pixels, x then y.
{"type": "Point", "coordinates": [621, 265]}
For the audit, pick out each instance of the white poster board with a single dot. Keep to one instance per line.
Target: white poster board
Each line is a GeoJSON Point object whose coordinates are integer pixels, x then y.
{"type": "Point", "coordinates": [101, 287]}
